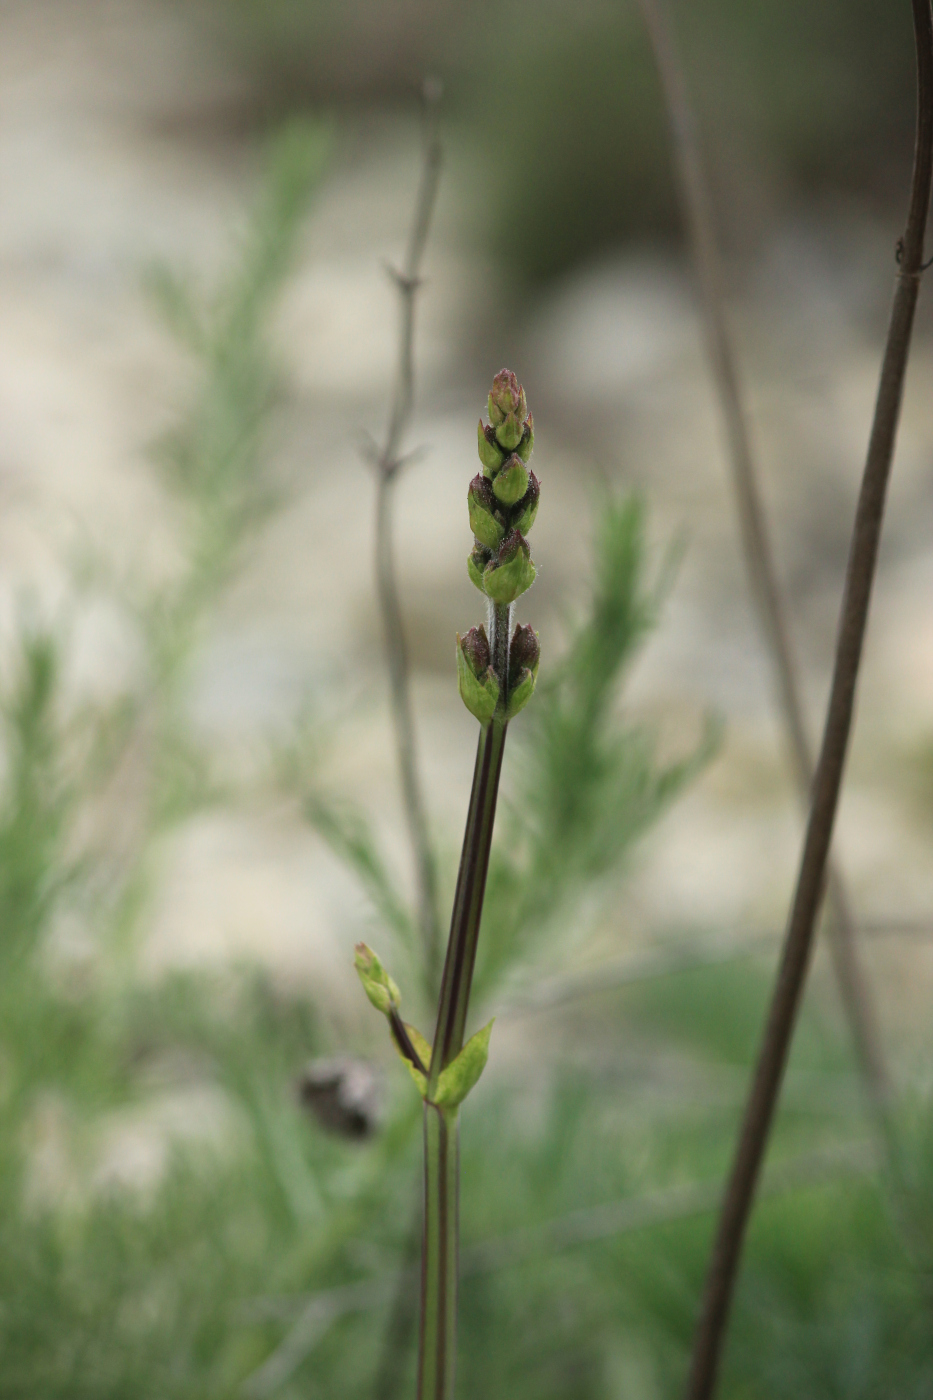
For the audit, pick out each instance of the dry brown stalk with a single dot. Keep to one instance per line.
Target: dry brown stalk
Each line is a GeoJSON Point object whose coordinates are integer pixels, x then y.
{"type": "Point", "coordinates": [827, 783]}
{"type": "Point", "coordinates": [697, 206]}
{"type": "Point", "coordinates": [387, 461]}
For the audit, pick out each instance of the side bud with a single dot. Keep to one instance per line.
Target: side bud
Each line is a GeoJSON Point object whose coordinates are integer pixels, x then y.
{"type": "Point", "coordinates": [524, 656]}
{"type": "Point", "coordinates": [526, 446]}
{"type": "Point", "coordinates": [527, 508]}
{"type": "Point", "coordinates": [508, 409]}
{"type": "Point", "coordinates": [487, 528]}
{"type": "Point", "coordinates": [479, 688]}
{"type": "Point", "coordinates": [512, 573]}
{"type": "Point", "coordinates": [490, 453]}
{"type": "Point", "coordinates": [512, 482]}
{"type": "Point", "coordinates": [476, 563]}
{"type": "Point", "coordinates": [377, 984]}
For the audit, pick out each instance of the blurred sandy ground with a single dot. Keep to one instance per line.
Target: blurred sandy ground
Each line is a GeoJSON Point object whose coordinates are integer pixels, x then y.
{"type": "Point", "coordinates": [119, 143]}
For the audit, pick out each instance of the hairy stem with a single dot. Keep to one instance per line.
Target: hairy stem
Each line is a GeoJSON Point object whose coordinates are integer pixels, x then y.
{"type": "Point", "coordinates": [388, 462]}
{"type": "Point", "coordinates": [811, 879]}
{"type": "Point", "coordinates": [437, 1352]}
{"type": "Point", "coordinates": [759, 556]}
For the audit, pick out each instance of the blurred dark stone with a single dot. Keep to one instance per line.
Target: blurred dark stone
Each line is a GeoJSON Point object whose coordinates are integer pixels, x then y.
{"type": "Point", "coordinates": [344, 1094]}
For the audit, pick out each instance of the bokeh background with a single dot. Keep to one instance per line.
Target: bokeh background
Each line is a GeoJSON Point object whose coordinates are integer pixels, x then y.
{"type": "Point", "coordinates": [201, 809]}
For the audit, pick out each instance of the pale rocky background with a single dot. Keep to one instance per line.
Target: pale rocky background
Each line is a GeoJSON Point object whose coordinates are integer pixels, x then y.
{"type": "Point", "coordinates": [119, 145]}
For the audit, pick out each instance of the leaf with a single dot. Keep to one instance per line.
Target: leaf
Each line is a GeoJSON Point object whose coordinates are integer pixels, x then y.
{"type": "Point", "coordinates": [461, 1074]}
{"type": "Point", "coordinates": [424, 1051]}
{"type": "Point", "coordinates": [418, 1041]}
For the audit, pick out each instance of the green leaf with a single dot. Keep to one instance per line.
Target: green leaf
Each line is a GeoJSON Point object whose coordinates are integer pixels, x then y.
{"type": "Point", "coordinates": [424, 1051]}
{"type": "Point", "coordinates": [418, 1041]}
{"type": "Point", "coordinates": [461, 1074]}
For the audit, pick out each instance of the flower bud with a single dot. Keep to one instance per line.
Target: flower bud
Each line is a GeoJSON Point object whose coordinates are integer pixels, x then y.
{"type": "Point", "coordinates": [512, 573]}
{"type": "Point", "coordinates": [475, 648]}
{"type": "Point", "coordinates": [507, 409]}
{"type": "Point", "coordinates": [524, 514]}
{"type": "Point", "coordinates": [520, 694]}
{"type": "Point", "coordinates": [476, 563]}
{"type": "Point", "coordinates": [512, 482]}
{"type": "Point", "coordinates": [486, 526]}
{"type": "Point", "coordinates": [490, 453]}
{"type": "Point", "coordinates": [377, 984]}
{"type": "Point", "coordinates": [526, 446]}
{"type": "Point", "coordinates": [524, 652]}
{"type": "Point", "coordinates": [524, 655]}
{"type": "Point", "coordinates": [479, 688]}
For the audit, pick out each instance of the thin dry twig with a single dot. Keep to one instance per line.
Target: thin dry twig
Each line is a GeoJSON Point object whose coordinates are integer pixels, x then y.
{"type": "Point", "coordinates": [699, 218]}
{"type": "Point", "coordinates": [388, 462]}
{"type": "Point", "coordinates": [811, 880]}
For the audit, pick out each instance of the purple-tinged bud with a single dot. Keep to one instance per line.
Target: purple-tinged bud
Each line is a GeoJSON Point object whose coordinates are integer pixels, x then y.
{"type": "Point", "coordinates": [507, 409]}
{"type": "Point", "coordinates": [478, 683]}
{"type": "Point", "coordinates": [526, 446]}
{"type": "Point", "coordinates": [485, 522]}
{"type": "Point", "coordinates": [504, 397]}
{"type": "Point", "coordinates": [524, 652]}
{"type": "Point", "coordinates": [527, 508]}
{"type": "Point", "coordinates": [490, 453]}
{"type": "Point", "coordinates": [476, 563]}
{"type": "Point", "coordinates": [475, 648]}
{"type": "Point", "coordinates": [512, 482]}
{"type": "Point", "coordinates": [524, 655]}
{"type": "Point", "coordinates": [512, 573]}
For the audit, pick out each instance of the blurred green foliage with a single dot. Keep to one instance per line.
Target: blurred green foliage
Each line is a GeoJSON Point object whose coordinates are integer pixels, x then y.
{"type": "Point", "coordinates": [260, 1255]}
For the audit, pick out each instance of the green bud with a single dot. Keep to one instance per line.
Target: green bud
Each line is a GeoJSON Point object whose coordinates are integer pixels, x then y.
{"type": "Point", "coordinates": [490, 453]}
{"type": "Point", "coordinates": [524, 656]}
{"type": "Point", "coordinates": [512, 482]}
{"type": "Point", "coordinates": [377, 984]}
{"type": "Point", "coordinates": [520, 694]}
{"type": "Point", "coordinates": [509, 435]}
{"type": "Point", "coordinates": [507, 409]}
{"type": "Point", "coordinates": [479, 687]}
{"type": "Point", "coordinates": [476, 563]}
{"type": "Point", "coordinates": [512, 573]}
{"type": "Point", "coordinates": [526, 446]}
{"type": "Point", "coordinates": [456, 1081]}
{"type": "Point", "coordinates": [527, 508]}
{"type": "Point", "coordinates": [487, 528]}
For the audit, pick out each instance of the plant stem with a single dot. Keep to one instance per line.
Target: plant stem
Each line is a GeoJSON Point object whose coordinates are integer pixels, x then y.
{"type": "Point", "coordinates": [440, 1242]}
{"type": "Point", "coordinates": [811, 880]}
{"type": "Point", "coordinates": [388, 462]}
{"type": "Point", "coordinates": [468, 902]}
{"type": "Point", "coordinates": [457, 978]}
{"type": "Point", "coordinates": [437, 1353]}
{"type": "Point", "coordinates": [699, 218]}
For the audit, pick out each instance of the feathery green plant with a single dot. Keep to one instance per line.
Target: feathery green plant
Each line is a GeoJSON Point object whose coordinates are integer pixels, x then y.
{"type": "Point", "coordinates": [214, 458]}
